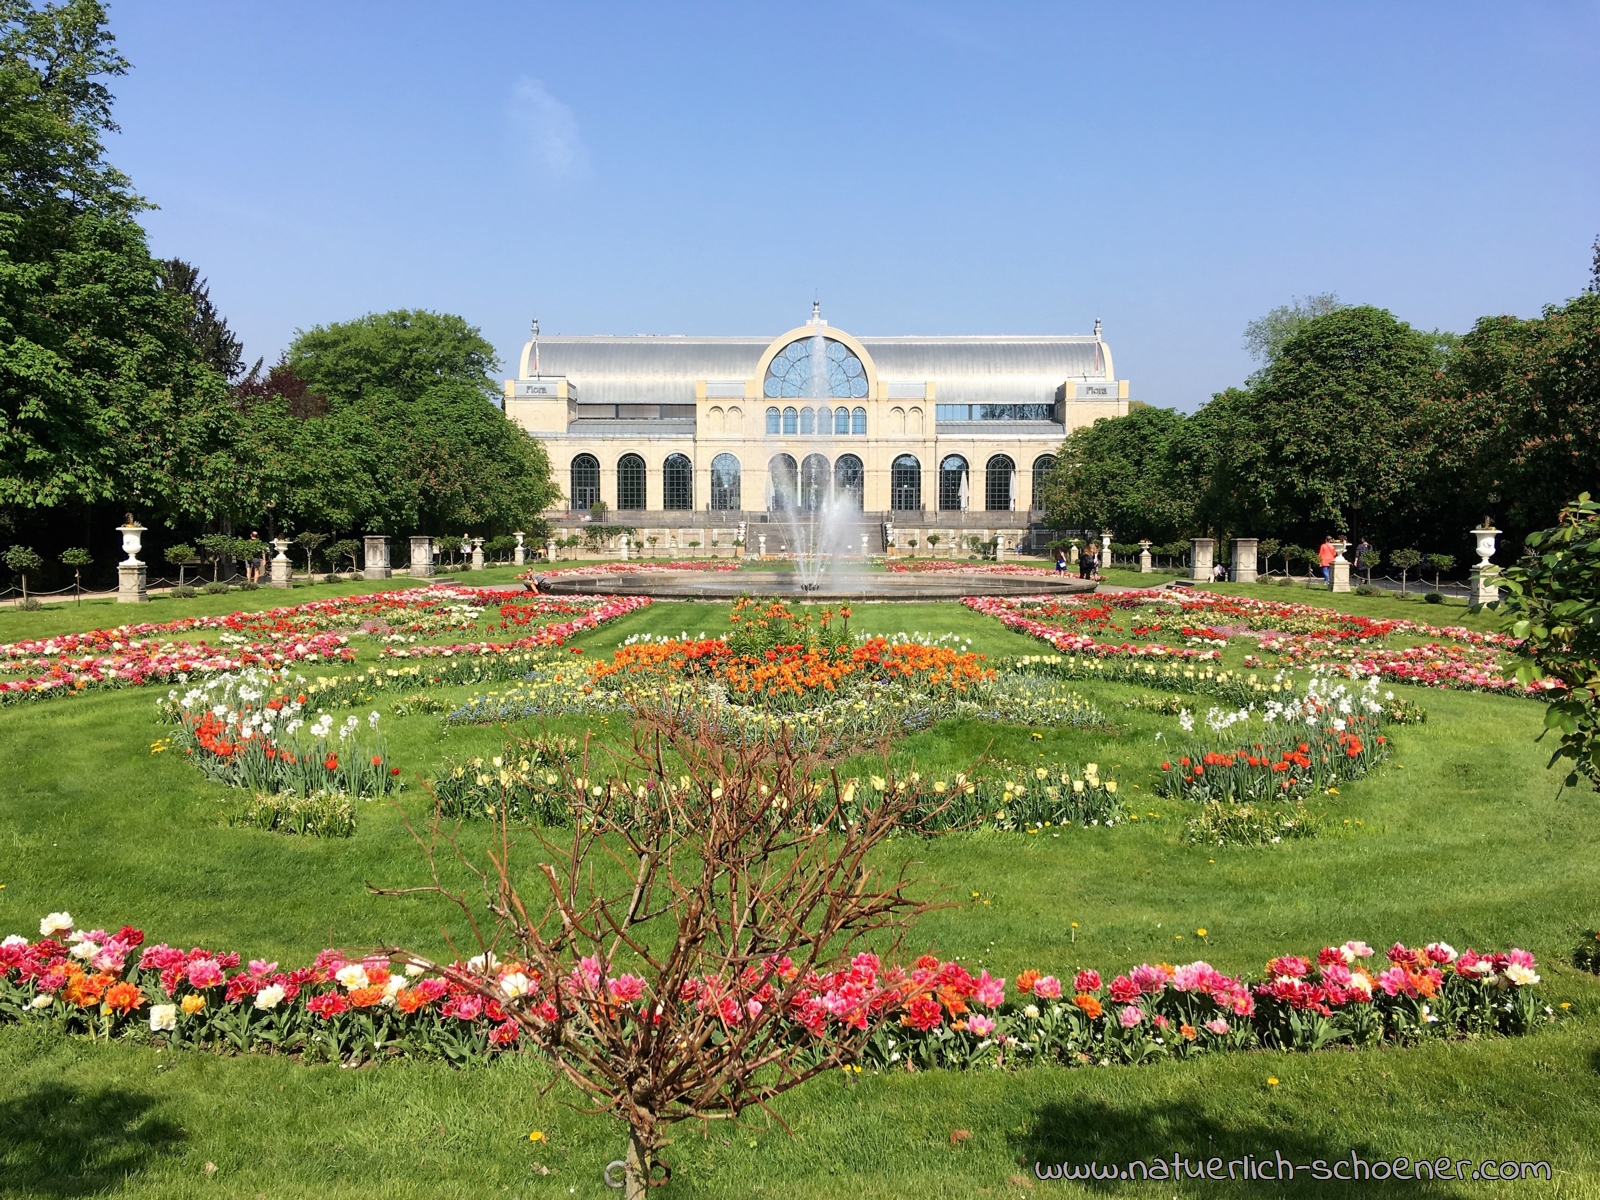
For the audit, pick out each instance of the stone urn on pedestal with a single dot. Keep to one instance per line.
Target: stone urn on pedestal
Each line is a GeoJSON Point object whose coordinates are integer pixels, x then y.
{"type": "Point", "coordinates": [1483, 581]}
{"type": "Point", "coordinates": [1105, 549]}
{"type": "Point", "coordinates": [624, 552]}
{"type": "Point", "coordinates": [132, 574]}
{"type": "Point", "coordinates": [1339, 569]}
{"type": "Point", "coordinates": [761, 543]}
{"type": "Point", "coordinates": [519, 556]}
{"type": "Point", "coordinates": [282, 570]}
{"type": "Point", "coordinates": [1146, 566]}
{"type": "Point", "coordinates": [477, 554]}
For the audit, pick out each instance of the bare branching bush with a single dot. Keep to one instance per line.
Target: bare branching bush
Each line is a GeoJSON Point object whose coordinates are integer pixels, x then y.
{"type": "Point", "coordinates": [699, 946]}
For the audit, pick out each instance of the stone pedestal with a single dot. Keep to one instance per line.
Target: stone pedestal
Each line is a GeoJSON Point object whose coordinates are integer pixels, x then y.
{"type": "Point", "coordinates": [1105, 550]}
{"type": "Point", "coordinates": [1146, 566]}
{"type": "Point", "coordinates": [282, 573]}
{"type": "Point", "coordinates": [421, 557]}
{"type": "Point", "coordinates": [477, 554]}
{"type": "Point", "coordinates": [1339, 569]}
{"type": "Point", "coordinates": [1245, 553]}
{"type": "Point", "coordinates": [550, 549]}
{"type": "Point", "coordinates": [863, 545]}
{"type": "Point", "coordinates": [624, 554]}
{"type": "Point", "coordinates": [376, 557]}
{"type": "Point", "coordinates": [519, 556]}
{"type": "Point", "coordinates": [1202, 559]}
{"type": "Point", "coordinates": [761, 543]}
{"type": "Point", "coordinates": [1483, 585]}
{"type": "Point", "coordinates": [999, 548]}
{"type": "Point", "coordinates": [131, 579]}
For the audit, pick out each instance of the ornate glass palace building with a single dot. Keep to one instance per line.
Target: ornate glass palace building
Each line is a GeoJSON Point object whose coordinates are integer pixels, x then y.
{"type": "Point", "coordinates": [688, 438]}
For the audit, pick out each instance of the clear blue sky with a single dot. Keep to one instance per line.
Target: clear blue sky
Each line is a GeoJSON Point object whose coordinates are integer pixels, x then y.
{"type": "Point", "coordinates": [925, 168]}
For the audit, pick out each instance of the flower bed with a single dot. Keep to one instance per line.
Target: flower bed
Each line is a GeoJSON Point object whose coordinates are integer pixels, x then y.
{"type": "Point", "coordinates": [243, 731]}
{"type": "Point", "coordinates": [634, 568]}
{"type": "Point", "coordinates": [932, 1014]}
{"type": "Point", "coordinates": [608, 608]}
{"type": "Point", "coordinates": [1300, 634]}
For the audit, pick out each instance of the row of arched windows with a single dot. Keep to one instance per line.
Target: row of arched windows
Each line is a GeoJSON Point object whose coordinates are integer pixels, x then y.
{"type": "Point", "coordinates": [677, 483]}
{"type": "Point", "coordinates": [806, 485]}
{"type": "Point", "coordinates": [822, 421]}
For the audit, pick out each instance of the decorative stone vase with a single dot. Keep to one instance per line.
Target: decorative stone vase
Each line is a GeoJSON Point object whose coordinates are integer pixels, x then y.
{"type": "Point", "coordinates": [519, 556]}
{"type": "Point", "coordinates": [132, 574]}
{"type": "Point", "coordinates": [1339, 569]}
{"type": "Point", "coordinates": [421, 557]}
{"type": "Point", "coordinates": [1202, 559]}
{"type": "Point", "coordinates": [1483, 581]}
{"type": "Point", "coordinates": [477, 554]}
{"type": "Point", "coordinates": [282, 570]}
{"type": "Point", "coordinates": [1245, 553]}
{"type": "Point", "coordinates": [1146, 565]}
{"type": "Point", "coordinates": [550, 549]}
{"type": "Point", "coordinates": [1105, 549]}
{"type": "Point", "coordinates": [624, 554]}
{"type": "Point", "coordinates": [376, 557]}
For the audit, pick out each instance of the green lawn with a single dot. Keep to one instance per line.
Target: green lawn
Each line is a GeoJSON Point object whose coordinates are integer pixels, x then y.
{"type": "Point", "coordinates": [1462, 837]}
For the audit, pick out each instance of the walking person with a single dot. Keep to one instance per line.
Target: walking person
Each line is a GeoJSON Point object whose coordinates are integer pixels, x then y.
{"type": "Point", "coordinates": [1325, 555]}
{"type": "Point", "coordinates": [256, 563]}
{"type": "Point", "coordinates": [1362, 551]}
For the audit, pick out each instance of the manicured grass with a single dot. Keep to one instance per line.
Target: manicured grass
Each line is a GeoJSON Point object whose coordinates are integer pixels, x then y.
{"type": "Point", "coordinates": [1462, 837]}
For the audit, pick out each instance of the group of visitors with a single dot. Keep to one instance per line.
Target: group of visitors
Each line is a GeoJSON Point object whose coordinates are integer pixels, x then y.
{"type": "Point", "coordinates": [1088, 562]}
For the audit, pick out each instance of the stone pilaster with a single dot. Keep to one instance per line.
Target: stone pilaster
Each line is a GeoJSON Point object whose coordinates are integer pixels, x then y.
{"type": "Point", "coordinates": [421, 557]}
{"type": "Point", "coordinates": [1245, 553]}
{"type": "Point", "coordinates": [1201, 559]}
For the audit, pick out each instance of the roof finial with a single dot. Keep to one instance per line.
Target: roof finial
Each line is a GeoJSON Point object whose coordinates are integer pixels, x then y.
{"type": "Point", "coordinates": [816, 312]}
{"type": "Point", "coordinates": [535, 347]}
{"type": "Point", "coordinates": [1097, 327]}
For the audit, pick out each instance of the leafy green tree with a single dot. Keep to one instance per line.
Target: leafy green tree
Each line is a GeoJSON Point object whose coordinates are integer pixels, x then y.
{"type": "Point", "coordinates": [309, 542]}
{"type": "Point", "coordinates": [1141, 475]}
{"type": "Point", "coordinates": [1265, 336]}
{"type": "Point", "coordinates": [217, 345]}
{"type": "Point", "coordinates": [77, 558]}
{"type": "Point", "coordinates": [1269, 547]}
{"type": "Point", "coordinates": [349, 548]}
{"type": "Point", "coordinates": [218, 548]}
{"type": "Point", "coordinates": [1552, 600]}
{"type": "Point", "coordinates": [1407, 561]}
{"type": "Point", "coordinates": [181, 556]}
{"type": "Point", "coordinates": [1440, 564]}
{"type": "Point", "coordinates": [1325, 435]}
{"type": "Point", "coordinates": [22, 561]}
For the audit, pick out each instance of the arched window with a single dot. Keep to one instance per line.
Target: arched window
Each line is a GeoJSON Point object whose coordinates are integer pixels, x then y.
{"type": "Point", "coordinates": [791, 421]}
{"type": "Point", "coordinates": [816, 476]}
{"type": "Point", "coordinates": [824, 420]}
{"type": "Point", "coordinates": [782, 479]}
{"type": "Point", "coordinates": [772, 420]}
{"type": "Point", "coordinates": [815, 366]}
{"type": "Point", "coordinates": [630, 482]}
{"type": "Point", "coordinates": [858, 420]}
{"type": "Point", "coordinates": [841, 420]}
{"type": "Point", "coordinates": [585, 482]}
{"type": "Point", "coordinates": [849, 482]}
{"type": "Point", "coordinates": [997, 483]}
{"type": "Point", "coordinates": [808, 420]}
{"type": "Point", "coordinates": [905, 483]}
{"type": "Point", "coordinates": [725, 483]}
{"type": "Point", "coordinates": [953, 486]}
{"type": "Point", "coordinates": [734, 423]}
{"type": "Point", "coordinates": [1042, 466]}
{"type": "Point", "coordinates": [677, 482]}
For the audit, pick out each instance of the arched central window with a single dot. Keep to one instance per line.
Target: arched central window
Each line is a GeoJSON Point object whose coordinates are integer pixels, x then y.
{"type": "Point", "coordinates": [782, 481]}
{"type": "Point", "coordinates": [905, 484]}
{"type": "Point", "coordinates": [953, 484]}
{"type": "Point", "coordinates": [630, 482]}
{"type": "Point", "coordinates": [585, 482]}
{"type": "Point", "coordinates": [677, 482]}
{"type": "Point", "coordinates": [815, 478]}
{"type": "Point", "coordinates": [725, 483]}
{"type": "Point", "coordinates": [997, 477]}
{"type": "Point", "coordinates": [848, 482]}
{"type": "Point", "coordinates": [815, 366]}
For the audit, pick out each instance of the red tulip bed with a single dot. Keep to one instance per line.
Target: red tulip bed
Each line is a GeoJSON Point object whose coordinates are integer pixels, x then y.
{"type": "Point", "coordinates": [929, 1014]}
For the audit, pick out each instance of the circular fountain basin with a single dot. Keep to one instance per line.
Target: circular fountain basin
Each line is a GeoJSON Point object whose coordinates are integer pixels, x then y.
{"type": "Point", "coordinates": [727, 585]}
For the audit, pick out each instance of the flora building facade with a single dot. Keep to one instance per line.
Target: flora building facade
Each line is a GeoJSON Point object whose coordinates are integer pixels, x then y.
{"type": "Point", "coordinates": [697, 439]}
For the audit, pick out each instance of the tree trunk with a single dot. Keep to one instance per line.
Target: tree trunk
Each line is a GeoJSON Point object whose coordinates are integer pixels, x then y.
{"type": "Point", "coordinates": [636, 1181]}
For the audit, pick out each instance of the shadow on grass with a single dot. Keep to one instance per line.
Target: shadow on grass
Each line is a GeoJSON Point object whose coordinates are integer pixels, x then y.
{"type": "Point", "coordinates": [1080, 1132]}
{"type": "Point", "coordinates": [61, 1140]}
